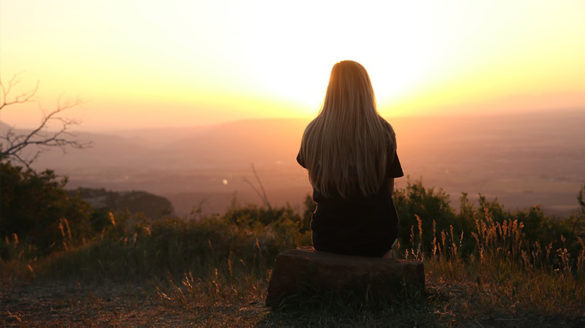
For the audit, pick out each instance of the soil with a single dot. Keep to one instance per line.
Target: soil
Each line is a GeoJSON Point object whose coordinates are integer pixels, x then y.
{"type": "Point", "coordinates": [66, 304]}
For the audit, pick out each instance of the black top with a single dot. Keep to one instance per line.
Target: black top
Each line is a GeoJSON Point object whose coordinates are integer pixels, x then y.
{"type": "Point", "coordinates": [359, 225]}
{"type": "Point", "coordinates": [394, 170]}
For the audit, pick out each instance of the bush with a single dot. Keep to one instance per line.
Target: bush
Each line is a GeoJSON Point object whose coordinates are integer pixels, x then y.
{"type": "Point", "coordinates": [176, 246]}
{"type": "Point", "coordinates": [35, 208]}
{"type": "Point", "coordinates": [426, 212]}
{"type": "Point", "coordinates": [429, 205]}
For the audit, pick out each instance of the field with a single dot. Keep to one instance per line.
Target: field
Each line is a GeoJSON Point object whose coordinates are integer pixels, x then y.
{"type": "Point", "coordinates": [485, 267]}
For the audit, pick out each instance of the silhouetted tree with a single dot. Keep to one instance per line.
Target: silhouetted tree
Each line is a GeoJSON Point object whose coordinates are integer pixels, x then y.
{"type": "Point", "coordinates": [14, 142]}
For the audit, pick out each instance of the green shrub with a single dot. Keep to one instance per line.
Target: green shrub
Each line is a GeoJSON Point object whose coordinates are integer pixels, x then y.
{"type": "Point", "coordinates": [36, 208]}
{"type": "Point", "coordinates": [429, 205]}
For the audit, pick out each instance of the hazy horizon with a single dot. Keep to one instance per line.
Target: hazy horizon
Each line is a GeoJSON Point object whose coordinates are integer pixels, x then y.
{"type": "Point", "coordinates": [83, 127]}
{"type": "Point", "coordinates": [522, 160]}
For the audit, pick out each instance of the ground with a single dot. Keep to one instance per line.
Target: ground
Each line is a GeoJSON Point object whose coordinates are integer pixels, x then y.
{"type": "Point", "coordinates": [70, 304]}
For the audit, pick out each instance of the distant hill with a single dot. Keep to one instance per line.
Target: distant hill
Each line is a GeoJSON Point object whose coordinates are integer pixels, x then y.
{"type": "Point", "coordinates": [3, 126]}
{"type": "Point", "coordinates": [151, 206]}
{"type": "Point", "coordinates": [257, 141]}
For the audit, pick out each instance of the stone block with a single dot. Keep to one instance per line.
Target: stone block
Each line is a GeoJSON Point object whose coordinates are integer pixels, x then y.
{"type": "Point", "coordinates": [333, 272]}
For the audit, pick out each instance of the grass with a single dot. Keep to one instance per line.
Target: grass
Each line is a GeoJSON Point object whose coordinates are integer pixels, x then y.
{"type": "Point", "coordinates": [215, 272]}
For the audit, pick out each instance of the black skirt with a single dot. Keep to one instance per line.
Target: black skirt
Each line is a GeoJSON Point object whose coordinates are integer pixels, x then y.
{"type": "Point", "coordinates": [366, 228]}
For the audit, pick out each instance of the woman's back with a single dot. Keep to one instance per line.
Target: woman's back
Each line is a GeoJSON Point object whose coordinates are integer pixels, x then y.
{"type": "Point", "coordinates": [350, 153]}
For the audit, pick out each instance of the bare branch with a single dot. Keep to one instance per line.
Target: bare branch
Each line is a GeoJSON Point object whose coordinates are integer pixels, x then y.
{"type": "Point", "coordinates": [12, 143]}
{"type": "Point", "coordinates": [261, 193]}
{"type": "Point", "coordinates": [261, 187]}
{"type": "Point", "coordinates": [22, 98]}
{"type": "Point", "coordinates": [255, 189]}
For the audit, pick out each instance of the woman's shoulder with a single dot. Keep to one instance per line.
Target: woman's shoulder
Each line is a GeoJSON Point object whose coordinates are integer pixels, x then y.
{"type": "Point", "coordinates": [310, 126]}
{"type": "Point", "coordinates": [388, 126]}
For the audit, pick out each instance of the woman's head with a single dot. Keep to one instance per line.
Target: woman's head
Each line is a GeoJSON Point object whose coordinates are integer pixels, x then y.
{"type": "Point", "coordinates": [349, 90]}
{"type": "Point", "coordinates": [347, 146]}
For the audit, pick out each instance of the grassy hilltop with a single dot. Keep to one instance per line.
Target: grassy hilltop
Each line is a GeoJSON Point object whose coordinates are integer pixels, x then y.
{"type": "Point", "coordinates": [485, 266]}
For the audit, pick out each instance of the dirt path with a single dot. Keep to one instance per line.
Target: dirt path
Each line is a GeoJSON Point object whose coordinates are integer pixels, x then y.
{"type": "Point", "coordinates": [108, 305]}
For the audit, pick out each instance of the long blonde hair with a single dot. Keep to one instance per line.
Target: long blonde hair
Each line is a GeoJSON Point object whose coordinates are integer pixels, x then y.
{"type": "Point", "coordinates": [348, 137]}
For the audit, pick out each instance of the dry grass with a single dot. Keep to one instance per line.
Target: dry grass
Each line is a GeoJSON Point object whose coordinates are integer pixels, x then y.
{"type": "Point", "coordinates": [214, 274]}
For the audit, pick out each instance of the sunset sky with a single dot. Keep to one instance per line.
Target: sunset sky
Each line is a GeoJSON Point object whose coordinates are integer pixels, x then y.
{"type": "Point", "coordinates": [179, 63]}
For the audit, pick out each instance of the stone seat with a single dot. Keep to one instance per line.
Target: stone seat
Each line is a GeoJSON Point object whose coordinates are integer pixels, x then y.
{"type": "Point", "coordinates": [304, 266]}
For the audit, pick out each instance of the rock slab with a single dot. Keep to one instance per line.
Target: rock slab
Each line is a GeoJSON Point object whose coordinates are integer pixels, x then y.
{"type": "Point", "coordinates": [295, 269]}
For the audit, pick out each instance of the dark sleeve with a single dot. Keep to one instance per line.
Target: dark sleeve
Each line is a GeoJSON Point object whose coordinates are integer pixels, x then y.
{"type": "Point", "coordinates": [394, 168]}
{"type": "Point", "coordinates": [300, 160]}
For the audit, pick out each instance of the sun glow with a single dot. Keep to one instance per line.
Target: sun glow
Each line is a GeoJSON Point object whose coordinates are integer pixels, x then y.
{"type": "Point", "coordinates": [186, 62]}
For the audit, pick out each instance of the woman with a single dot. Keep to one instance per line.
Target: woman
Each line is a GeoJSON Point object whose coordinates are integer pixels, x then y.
{"type": "Point", "coordinates": [350, 153]}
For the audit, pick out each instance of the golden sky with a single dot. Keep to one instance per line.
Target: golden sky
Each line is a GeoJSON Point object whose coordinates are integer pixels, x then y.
{"type": "Point", "coordinates": [179, 62]}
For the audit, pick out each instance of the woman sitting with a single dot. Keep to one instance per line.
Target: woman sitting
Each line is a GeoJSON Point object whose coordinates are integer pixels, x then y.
{"type": "Point", "coordinates": [349, 151]}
